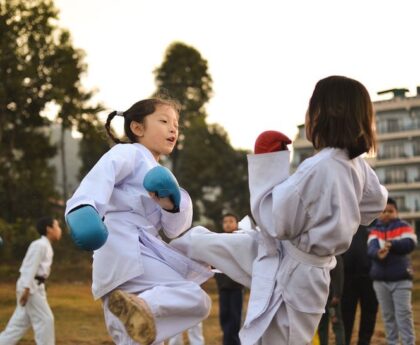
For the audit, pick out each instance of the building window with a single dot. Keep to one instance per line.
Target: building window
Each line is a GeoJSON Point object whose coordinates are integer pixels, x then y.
{"type": "Point", "coordinates": [395, 175]}
{"type": "Point", "coordinates": [416, 147]}
{"type": "Point", "coordinates": [393, 125]}
{"type": "Point", "coordinates": [392, 150]}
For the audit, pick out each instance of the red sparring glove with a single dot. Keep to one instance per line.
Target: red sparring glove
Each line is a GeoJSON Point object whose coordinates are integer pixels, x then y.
{"type": "Point", "coordinates": [271, 141]}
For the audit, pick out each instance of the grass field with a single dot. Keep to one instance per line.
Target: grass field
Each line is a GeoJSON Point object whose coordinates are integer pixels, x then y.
{"type": "Point", "coordinates": [79, 319]}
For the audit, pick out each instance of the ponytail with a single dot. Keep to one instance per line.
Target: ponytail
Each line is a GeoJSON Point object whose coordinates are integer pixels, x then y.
{"type": "Point", "coordinates": [137, 112]}
{"type": "Point", "coordinates": [108, 127]}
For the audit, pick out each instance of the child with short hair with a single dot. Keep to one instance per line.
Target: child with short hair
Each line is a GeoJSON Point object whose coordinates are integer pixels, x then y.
{"type": "Point", "coordinates": [389, 243]}
{"type": "Point", "coordinates": [150, 292]}
{"type": "Point", "coordinates": [32, 306]}
{"type": "Point", "coordinates": [305, 219]}
{"type": "Point", "coordinates": [230, 293]}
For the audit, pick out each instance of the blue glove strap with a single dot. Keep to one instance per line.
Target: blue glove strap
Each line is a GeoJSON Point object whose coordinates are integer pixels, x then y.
{"type": "Point", "coordinates": [86, 228]}
{"type": "Point", "coordinates": [161, 181]}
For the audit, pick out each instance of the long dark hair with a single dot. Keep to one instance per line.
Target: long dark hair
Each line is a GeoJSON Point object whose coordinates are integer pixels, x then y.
{"type": "Point", "coordinates": [137, 112]}
{"type": "Point", "coordinates": [341, 115]}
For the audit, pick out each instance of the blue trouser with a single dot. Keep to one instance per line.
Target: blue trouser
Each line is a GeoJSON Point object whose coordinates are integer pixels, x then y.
{"type": "Point", "coordinates": [395, 301]}
{"type": "Point", "coordinates": [230, 313]}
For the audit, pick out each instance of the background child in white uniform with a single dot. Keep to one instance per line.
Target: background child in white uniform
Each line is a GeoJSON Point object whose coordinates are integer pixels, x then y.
{"type": "Point", "coordinates": [32, 306]}
{"type": "Point", "coordinates": [150, 291]}
{"type": "Point", "coordinates": [305, 219]}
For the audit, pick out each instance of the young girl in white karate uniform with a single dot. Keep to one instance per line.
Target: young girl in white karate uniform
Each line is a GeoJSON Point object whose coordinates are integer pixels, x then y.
{"type": "Point", "coordinates": [150, 292]}
{"type": "Point", "coordinates": [305, 219]}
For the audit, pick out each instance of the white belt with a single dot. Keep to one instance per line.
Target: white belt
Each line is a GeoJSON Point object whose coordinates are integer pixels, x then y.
{"type": "Point", "coordinates": [306, 258]}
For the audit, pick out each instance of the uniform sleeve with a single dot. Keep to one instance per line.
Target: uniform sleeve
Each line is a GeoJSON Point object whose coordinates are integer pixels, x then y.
{"type": "Point", "coordinates": [31, 264]}
{"type": "Point", "coordinates": [265, 172]}
{"type": "Point", "coordinates": [174, 224]}
{"type": "Point", "coordinates": [97, 186]}
{"type": "Point", "coordinates": [374, 197]}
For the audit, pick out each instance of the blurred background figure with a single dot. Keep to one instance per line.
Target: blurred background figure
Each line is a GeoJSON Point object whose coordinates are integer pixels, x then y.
{"type": "Point", "coordinates": [333, 307]}
{"type": "Point", "coordinates": [358, 289]}
{"type": "Point", "coordinates": [32, 307]}
{"type": "Point", "coordinates": [230, 294]}
{"type": "Point", "coordinates": [390, 241]}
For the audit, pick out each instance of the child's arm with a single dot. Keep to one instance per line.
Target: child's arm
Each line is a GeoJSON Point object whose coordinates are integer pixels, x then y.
{"type": "Point", "coordinates": [268, 167]}
{"type": "Point", "coordinates": [97, 186]}
{"type": "Point", "coordinates": [174, 224]}
{"type": "Point", "coordinates": [374, 197]}
{"type": "Point", "coordinates": [373, 245]}
{"type": "Point", "coordinates": [266, 171]}
{"type": "Point", "coordinates": [175, 202]}
{"type": "Point", "coordinates": [31, 264]}
{"type": "Point", "coordinates": [406, 243]}
{"type": "Point", "coordinates": [86, 208]}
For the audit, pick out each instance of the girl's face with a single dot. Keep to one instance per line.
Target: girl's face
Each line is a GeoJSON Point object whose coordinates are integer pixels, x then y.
{"type": "Point", "coordinates": [159, 132]}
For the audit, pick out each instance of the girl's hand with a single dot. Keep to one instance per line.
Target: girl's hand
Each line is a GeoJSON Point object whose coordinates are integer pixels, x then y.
{"type": "Point", "coordinates": [166, 203]}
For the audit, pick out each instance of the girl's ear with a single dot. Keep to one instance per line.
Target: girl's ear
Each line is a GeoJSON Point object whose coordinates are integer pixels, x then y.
{"type": "Point", "coordinates": [137, 128]}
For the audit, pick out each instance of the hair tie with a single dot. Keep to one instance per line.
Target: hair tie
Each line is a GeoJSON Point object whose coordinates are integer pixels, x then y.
{"type": "Point", "coordinates": [120, 113]}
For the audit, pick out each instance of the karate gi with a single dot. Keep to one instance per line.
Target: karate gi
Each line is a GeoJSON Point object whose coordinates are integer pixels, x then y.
{"type": "Point", "coordinates": [134, 258]}
{"type": "Point", "coordinates": [36, 312]}
{"type": "Point", "coordinates": [305, 220]}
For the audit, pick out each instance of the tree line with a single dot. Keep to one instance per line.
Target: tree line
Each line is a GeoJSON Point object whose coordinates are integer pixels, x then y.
{"type": "Point", "coordinates": [40, 69]}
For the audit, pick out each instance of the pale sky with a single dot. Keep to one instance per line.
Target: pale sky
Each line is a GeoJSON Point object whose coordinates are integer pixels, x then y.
{"type": "Point", "coordinates": [264, 56]}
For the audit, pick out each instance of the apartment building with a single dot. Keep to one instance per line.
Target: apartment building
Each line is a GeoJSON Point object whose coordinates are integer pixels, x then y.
{"type": "Point", "coordinates": [397, 162]}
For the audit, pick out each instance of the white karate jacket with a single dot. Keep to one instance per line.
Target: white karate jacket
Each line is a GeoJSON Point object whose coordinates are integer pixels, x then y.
{"type": "Point", "coordinates": [37, 262]}
{"type": "Point", "coordinates": [114, 187]}
{"type": "Point", "coordinates": [305, 220]}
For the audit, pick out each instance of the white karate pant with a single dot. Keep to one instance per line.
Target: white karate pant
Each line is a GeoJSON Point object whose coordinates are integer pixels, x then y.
{"type": "Point", "coordinates": [176, 304]}
{"type": "Point", "coordinates": [234, 255]}
{"type": "Point", "coordinates": [36, 313]}
{"type": "Point", "coordinates": [195, 336]}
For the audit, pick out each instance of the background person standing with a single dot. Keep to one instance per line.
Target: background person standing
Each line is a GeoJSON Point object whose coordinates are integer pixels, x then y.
{"type": "Point", "coordinates": [358, 288]}
{"type": "Point", "coordinates": [230, 294]}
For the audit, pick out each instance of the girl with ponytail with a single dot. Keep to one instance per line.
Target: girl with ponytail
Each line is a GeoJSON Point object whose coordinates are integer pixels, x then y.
{"type": "Point", "coordinates": [150, 292]}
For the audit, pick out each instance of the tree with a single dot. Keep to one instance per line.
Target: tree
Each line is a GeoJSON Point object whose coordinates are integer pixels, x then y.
{"type": "Point", "coordinates": [38, 67]}
{"type": "Point", "coordinates": [93, 145]}
{"type": "Point", "coordinates": [204, 162]}
{"type": "Point", "coordinates": [213, 172]}
{"type": "Point", "coordinates": [184, 76]}
{"type": "Point", "coordinates": [76, 112]}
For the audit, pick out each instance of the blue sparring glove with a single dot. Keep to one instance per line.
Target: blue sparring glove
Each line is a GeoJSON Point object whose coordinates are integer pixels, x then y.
{"type": "Point", "coordinates": [162, 182]}
{"type": "Point", "coordinates": [86, 228]}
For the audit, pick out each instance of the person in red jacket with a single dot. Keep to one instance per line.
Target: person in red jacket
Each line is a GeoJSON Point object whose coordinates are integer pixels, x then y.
{"type": "Point", "coordinates": [389, 243]}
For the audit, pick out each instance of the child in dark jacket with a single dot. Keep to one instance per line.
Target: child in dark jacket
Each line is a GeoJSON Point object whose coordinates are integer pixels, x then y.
{"type": "Point", "coordinates": [389, 243]}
